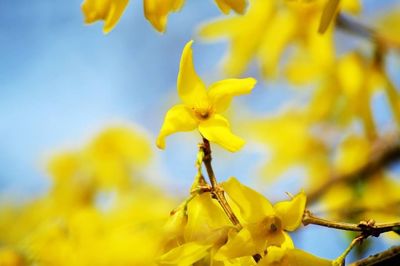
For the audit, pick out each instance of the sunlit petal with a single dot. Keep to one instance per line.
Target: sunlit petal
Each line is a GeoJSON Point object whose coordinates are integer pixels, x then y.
{"type": "Point", "coordinates": [108, 10]}
{"type": "Point", "coordinates": [216, 129]}
{"type": "Point", "coordinates": [184, 255]}
{"type": "Point", "coordinates": [254, 207]}
{"type": "Point", "coordinates": [191, 88]}
{"type": "Point", "coordinates": [291, 212]}
{"type": "Point", "coordinates": [178, 118]}
{"type": "Point", "coordinates": [222, 92]}
{"type": "Point", "coordinates": [157, 11]}
{"type": "Point", "coordinates": [239, 244]}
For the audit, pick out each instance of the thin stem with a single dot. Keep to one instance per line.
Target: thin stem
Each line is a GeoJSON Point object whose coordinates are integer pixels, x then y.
{"type": "Point", "coordinates": [387, 257]}
{"type": "Point", "coordinates": [369, 228]}
{"type": "Point", "coordinates": [393, 97]}
{"type": "Point", "coordinates": [341, 259]}
{"type": "Point", "coordinates": [358, 29]}
{"type": "Point", "coordinates": [385, 151]}
{"type": "Point", "coordinates": [216, 190]}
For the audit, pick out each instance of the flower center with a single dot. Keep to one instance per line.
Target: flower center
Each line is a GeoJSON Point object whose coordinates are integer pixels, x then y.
{"type": "Point", "coordinates": [272, 224]}
{"type": "Point", "coordinates": [203, 112]}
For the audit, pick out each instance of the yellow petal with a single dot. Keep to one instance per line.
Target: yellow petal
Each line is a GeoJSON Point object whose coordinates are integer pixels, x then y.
{"type": "Point", "coordinates": [221, 93]}
{"type": "Point", "coordinates": [254, 207]}
{"type": "Point", "coordinates": [216, 129]}
{"type": "Point", "coordinates": [351, 74]}
{"type": "Point", "coordinates": [281, 30]}
{"type": "Point", "coordinates": [205, 216]}
{"type": "Point", "coordinates": [291, 212]}
{"type": "Point", "coordinates": [297, 257]}
{"type": "Point", "coordinates": [238, 6]}
{"type": "Point", "coordinates": [184, 255]}
{"type": "Point", "coordinates": [275, 255]}
{"type": "Point", "coordinates": [239, 245]}
{"type": "Point", "coordinates": [156, 11]}
{"type": "Point", "coordinates": [191, 88]}
{"type": "Point", "coordinates": [292, 257]}
{"type": "Point", "coordinates": [108, 10]}
{"type": "Point", "coordinates": [178, 118]}
{"type": "Point", "coordinates": [219, 28]}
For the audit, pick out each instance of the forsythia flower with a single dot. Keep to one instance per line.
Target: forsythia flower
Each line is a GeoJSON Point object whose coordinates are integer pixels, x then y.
{"type": "Point", "coordinates": [196, 233]}
{"type": "Point", "coordinates": [267, 31]}
{"type": "Point", "coordinates": [156, 11]}
{"type": "Point", "coordinates": [304, 148]}
{"type": "Point", "coordinates": [201, 233]}
{"type": "Point", "coordinates": [93, 207]}
{"type": "Point", "coordinates": [201, 108]}
{"type": "Point", "coordinates": [264, 225]}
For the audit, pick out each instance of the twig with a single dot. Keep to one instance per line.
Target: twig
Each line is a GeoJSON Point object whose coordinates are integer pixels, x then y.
{"type": "Point", "coordinates": [358, 29]}
{"type": "Point", "coordinates": [385, 151]}
{"type": "Point", "coordinates": [216, 191]}
{"type": "Point", "coordinates": [341, 259]}
{"type": "Point", "coordinates": [387, 257]}
{"type": "Point", "coordinates": [369, 228]}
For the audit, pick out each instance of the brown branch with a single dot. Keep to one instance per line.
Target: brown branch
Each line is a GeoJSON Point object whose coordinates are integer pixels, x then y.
{"type": "Point", "coordinates": [216, 191]}
{"type": "Point", "coordinates": [366, 229]}
{"type": "Point", "coordinates": [384, 152]}
{"type": "Point", "coordinates": [356, 28]}
{"type": "Point", "coordinates": [387, 257]}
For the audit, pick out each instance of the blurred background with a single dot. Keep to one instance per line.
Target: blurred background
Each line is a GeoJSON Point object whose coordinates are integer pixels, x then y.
{"type": "Point", "coordinates": [61, 82]}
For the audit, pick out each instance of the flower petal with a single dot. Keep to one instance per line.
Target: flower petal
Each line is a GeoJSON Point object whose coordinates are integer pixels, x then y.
{"type": "Point", "coordinates": [108, 10]}
{"type": "Point", "coordinates": [216, 129]}
{"type": "Point", "coordinates": [297, 257]}
{"type": "Point", "coordinates": [239, 245]}
{"type": "Point", "coordinates": [191, 88]}
{"type": "Point", "coordinates": [238, 6]}
{"type": "Point", "coordinates": [253, 206]}
{"type": "Point", "coordinates": [156, 11]}
{"type": "Point", "coordinates": [178, 118]}
{"type": "Point", "coordinates": [186, 254]}
{"type": "Point", "coordinates": [222, 92]}
{"type": "Point", "coordinates": [291, 212]}
{"type": "Point", "coordinates": [290, 256]}
{"type": "Point", "coordinates": [205, 216]}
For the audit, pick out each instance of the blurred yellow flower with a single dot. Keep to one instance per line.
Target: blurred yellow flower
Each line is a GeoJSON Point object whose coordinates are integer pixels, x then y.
{"type": "Point", "coordinates": [266, 32]}
{"type": "Point", "coordinates": [264, 224]}
{"type": "Point", "coordinates": [96, 205]}
{"type": "Point", "coordinates": [108, 10]}
{"type": "Point", "coordinates": [155, 11]}
{"type": "Point", "coordinates": [293, 145]}
{"type": "Point", "coordinates": [201, 108]}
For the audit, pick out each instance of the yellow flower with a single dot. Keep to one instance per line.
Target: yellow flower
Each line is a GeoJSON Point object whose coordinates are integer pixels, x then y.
{"type": "Point", "coordinates": [155, 11]}
{"type": "Point", "coordinates": [204, 230]}
{"type": "Point", "coordinates": [268, 30]}
{"type": "Point", "coordinates": [201, 108]}
{"type": "Point", "coordinates": [305, 148]}
{"type": "Point", "coordinates": [108, 10]}
{"type": "Point", "coordinates": [264, 224]}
